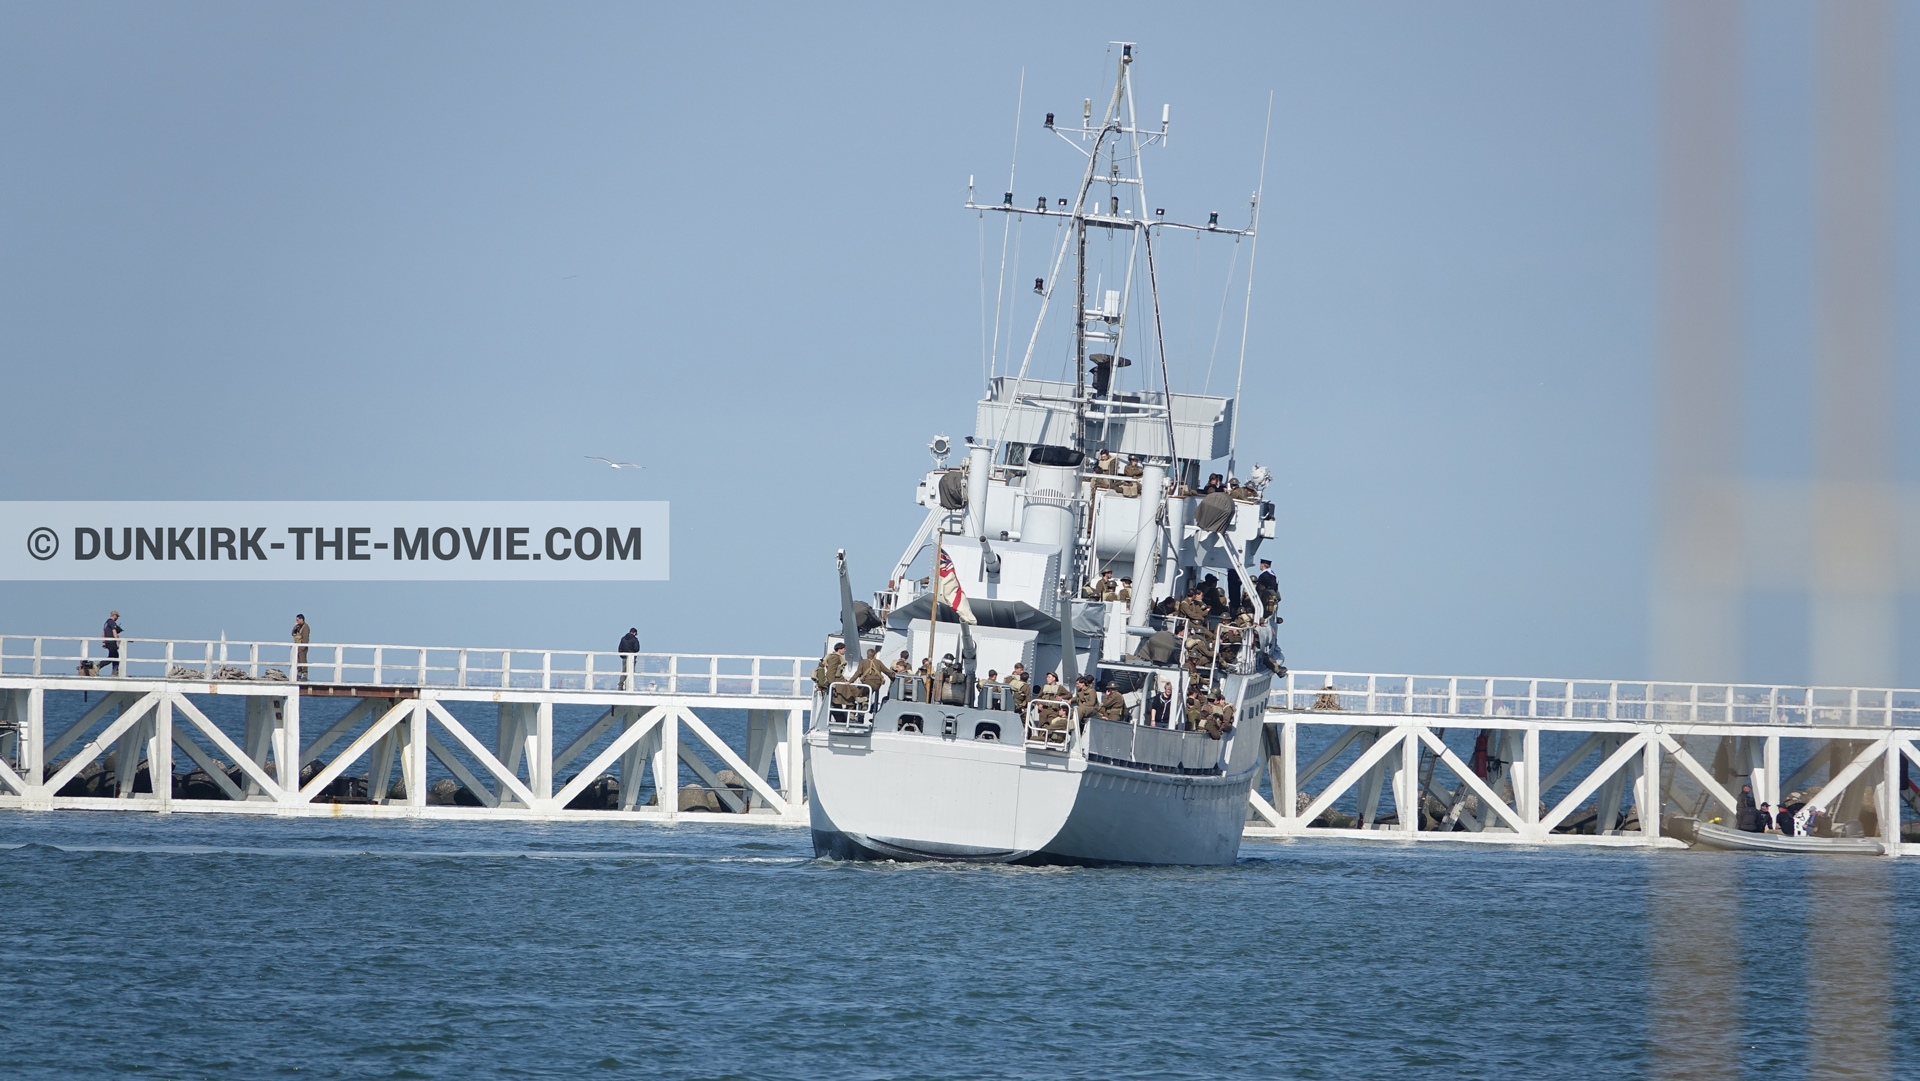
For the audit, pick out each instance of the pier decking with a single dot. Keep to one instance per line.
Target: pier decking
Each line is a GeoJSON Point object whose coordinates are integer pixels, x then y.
{"type": "Point", "coordinates": [525, 734]}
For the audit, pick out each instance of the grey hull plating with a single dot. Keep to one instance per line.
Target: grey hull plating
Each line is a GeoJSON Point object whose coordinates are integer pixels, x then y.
{"type": "Point", "coordinates": [1127, 816]}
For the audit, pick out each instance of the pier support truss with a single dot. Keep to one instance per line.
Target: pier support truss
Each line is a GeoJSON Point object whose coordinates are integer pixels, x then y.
{"type": "Point", "coordinates": [459, 733]}
{"type": "Point", "coordinates": [379, 750]}
{"type": "Point", "coordinates": [1502, 779]}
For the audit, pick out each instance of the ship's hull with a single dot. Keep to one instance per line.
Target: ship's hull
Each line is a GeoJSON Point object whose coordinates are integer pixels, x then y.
{"type": "Point", "coordinates": [1110, 816]}
{"type": "Point", "coordinates": [890, 795]}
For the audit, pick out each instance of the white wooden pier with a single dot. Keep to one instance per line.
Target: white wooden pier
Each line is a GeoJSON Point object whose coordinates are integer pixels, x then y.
{"type": "Point", "coordinates": [394, 714]}
{"type": "Point", "coordinates": [523, 734]}
{"type": "Point", "coordinates": [1668, 747]}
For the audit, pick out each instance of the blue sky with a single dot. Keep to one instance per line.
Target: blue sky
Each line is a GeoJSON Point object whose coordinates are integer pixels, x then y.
{"type": "Point", "coordinates": [435, 251]}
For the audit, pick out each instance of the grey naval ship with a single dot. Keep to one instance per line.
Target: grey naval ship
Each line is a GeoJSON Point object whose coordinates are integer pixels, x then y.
{"type": "Point", "coordinates": [1077, 537]}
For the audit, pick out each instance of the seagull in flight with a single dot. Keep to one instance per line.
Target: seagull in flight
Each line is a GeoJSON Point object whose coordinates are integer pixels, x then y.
{"type": "Point", "coordinates": [614, 464]}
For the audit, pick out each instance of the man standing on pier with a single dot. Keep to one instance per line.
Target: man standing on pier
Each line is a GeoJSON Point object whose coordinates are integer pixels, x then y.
{"type": "Point", "coordinates": [110, 641]}
{"type": "Point", "coordinates": [302, 634]}
{"type": "Point", "coordinates": [629, 652]}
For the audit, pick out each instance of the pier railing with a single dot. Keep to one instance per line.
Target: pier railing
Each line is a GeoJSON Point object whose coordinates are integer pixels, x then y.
{"type": "Point", "coordinates": [356, 664]}
{"type": "Point", "coordinates": [1601, 700]}
{"type": "Point", "coordinates": [369, 664]}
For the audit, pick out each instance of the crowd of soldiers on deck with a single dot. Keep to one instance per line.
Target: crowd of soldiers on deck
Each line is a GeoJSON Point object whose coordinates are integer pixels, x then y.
{"type": "Point", "coordinates": [1205, 625]}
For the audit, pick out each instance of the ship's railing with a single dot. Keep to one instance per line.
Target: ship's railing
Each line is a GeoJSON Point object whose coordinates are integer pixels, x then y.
{"type": "Point", "coordinates": [452, 667]}
{"type": "Point", "coordinates": [1604, 700]}
{"type": "Point", "coordinates": [1242, 646]}
{"type": "Point", "coordinates": [1041, 713]}
{"type": "Point", "coordinates": [850, 708]}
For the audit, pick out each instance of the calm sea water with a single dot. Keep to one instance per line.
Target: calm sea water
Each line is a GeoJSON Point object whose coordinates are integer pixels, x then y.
{"type": "Point", "coordinates": [205, 946]}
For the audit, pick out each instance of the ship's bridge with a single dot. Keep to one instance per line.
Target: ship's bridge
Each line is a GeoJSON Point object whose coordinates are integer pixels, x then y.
{"type": "Point", "coordinates": [1125, 423]}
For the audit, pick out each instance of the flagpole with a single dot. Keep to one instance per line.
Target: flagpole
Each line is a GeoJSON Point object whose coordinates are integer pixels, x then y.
{"type": "Point", "coordinates": [933, 627]}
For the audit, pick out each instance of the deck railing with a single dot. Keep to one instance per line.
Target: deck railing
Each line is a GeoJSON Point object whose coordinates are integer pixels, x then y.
{"type": "Point", "coordinates": [1603, 700]}
{"type": "Point", "coordinates": [354, 664]}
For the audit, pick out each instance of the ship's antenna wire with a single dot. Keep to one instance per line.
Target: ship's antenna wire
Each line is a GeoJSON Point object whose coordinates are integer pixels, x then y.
{"type": "Point", "coordinates": [1000, 289]}
{"type": "Point", "coordinates": [1220, 321]}
{"type": "Point", "coordinates": [1253, 249]}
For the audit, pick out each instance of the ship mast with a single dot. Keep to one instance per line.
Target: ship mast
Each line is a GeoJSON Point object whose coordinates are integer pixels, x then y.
{"type": "Point", "coordinates": [1113, 125]}
{"type": "Point", "coordinates": [1109, 125]}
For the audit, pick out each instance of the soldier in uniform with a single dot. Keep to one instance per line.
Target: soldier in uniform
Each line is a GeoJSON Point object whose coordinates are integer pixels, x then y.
{"type": "Point", "coordinates": [949, 679]}
{"type": "Point", "coordinates": [1210, 596]}
{"type": "Point", "coordinates": [827, 678]}
{"type": "Point", "coordinates": [1084, 698]}
{"type": "Point", "coordinates": [904, 665]}
{"type": "Point", "coordinates": [1053, 708]}
{"type": "Point", "coordinates": [873, 672]}
{"type": "Point", "coordinates": [831, 666]}
{"type": "Point", "coordinates": [1193, 609]}
{"type": "Point", "coordinates": [1222, 717]}
{"type": "Point", "coordinates": [1134, 468]}
{"type": "Point", "coordinates": [1199, 648]}
{"type": "Point", "coordinates": [1022, 690]}
{"type": "Point", "coordinates": [1230, 638]}
{"type": "Point", "coordinates": [1241, 492]}
{"type": "Point", "coordinates": [1125, 593]}
{"type": "Point", "coordinates": [1113, 705]}
{"type": "Point", "coordinates": [1178, 655]}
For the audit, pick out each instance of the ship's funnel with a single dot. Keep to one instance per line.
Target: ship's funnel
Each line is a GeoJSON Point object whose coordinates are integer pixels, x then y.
{"type": "Point", "coordinates": [1146, 550]}
{"type": "Point", "coordinates": [1053, 482]}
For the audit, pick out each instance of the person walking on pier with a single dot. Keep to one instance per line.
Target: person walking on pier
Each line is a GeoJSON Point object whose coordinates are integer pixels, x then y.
{"type": "Point", "coordinates": [629, 653]}
{"type": "Point", "coordinates": [302, 634]}
{"type": "Point", "coordinates": [110, 641]}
